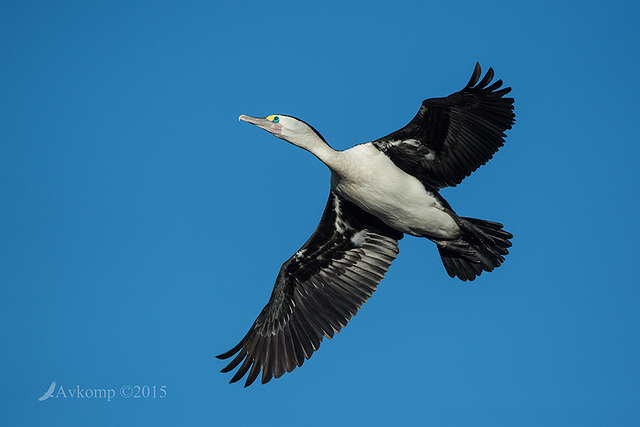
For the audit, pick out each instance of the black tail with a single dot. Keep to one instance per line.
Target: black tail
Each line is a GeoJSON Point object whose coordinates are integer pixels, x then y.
{"type": "Point", "coordinates": [481, 247]}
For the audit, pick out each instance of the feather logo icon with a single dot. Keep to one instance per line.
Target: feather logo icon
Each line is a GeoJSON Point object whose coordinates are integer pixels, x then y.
{"type": "Point", "coordinates": [48, 393]}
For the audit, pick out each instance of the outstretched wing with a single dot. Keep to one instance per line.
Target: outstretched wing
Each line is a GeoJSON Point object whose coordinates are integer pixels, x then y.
{"type": "Point", "coordinates": [317, 291]}
{"type": "Point", "coordinates": [451, 137]}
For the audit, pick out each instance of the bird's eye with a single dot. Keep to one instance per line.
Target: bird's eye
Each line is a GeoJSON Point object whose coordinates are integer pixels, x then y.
{"type": "Point", "coordinates": [276, 119]}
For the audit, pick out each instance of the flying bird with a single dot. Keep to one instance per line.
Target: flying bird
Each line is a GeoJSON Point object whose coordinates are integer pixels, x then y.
{"type": "Point", "coordinates": [380, 190]}
{"type": "Point", "coordinates": [47, 394]}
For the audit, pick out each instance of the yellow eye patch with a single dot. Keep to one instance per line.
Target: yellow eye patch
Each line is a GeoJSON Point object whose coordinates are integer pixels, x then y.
{"type": "Point", "coordinates": [273, 118]}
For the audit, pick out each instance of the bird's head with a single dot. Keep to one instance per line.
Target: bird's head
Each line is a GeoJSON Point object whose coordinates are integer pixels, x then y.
{"type": "Point", "coordinates": [292, 130]}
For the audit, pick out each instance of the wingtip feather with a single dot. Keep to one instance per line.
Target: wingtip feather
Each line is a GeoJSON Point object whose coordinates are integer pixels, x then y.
{"type": "Point", "coordinates": [477, 71]}
{"type": "Point", "coordinates": [486, 79]}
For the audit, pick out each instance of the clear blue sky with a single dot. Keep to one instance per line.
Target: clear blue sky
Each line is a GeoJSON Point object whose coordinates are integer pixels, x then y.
{"type": "Point", "coordinates": [142, 226]}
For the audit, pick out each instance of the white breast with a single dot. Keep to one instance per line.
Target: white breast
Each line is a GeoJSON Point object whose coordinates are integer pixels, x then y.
{"type": "Point", "coordinates": [372, 181]}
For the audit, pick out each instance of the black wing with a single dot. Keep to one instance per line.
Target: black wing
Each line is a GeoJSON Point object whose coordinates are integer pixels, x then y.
{"type": "Point", "coordinates": [317, 291]}
{"type": "Point", "coordinates": [451, 137]}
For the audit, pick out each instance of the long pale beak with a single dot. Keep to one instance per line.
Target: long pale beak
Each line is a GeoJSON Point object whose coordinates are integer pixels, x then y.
{"type": "Point", "coordinates": [265, 124]}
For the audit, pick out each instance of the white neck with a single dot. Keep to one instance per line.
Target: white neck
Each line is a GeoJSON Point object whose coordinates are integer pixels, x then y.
{"type": "Point", "coordinates": [311, 142]}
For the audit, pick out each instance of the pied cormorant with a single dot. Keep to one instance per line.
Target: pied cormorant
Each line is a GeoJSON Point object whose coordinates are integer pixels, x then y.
{"type": "Point", "coordinates": [380, 190]}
